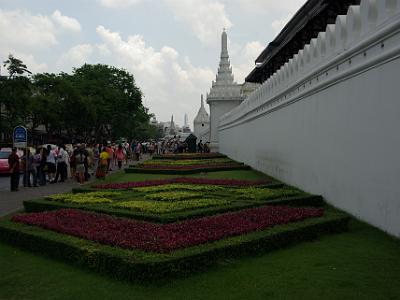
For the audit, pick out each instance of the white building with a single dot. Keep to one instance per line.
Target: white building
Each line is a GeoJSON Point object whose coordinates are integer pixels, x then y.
{"type": "Point", "coordinates": [225, 94]}
{"type": "Point", "coordinates": [201, 124]}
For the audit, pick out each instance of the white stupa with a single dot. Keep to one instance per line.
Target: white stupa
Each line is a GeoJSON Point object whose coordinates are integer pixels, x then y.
{"type": "Point", "coordinates": [201, 124]}
{"type": "Point", "coordinates": [225, 94]}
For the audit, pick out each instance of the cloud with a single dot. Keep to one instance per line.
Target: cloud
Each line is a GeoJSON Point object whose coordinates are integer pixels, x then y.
{"type": "Point", "coordinates": [76, 56]}
{"type": "Point", "coordinates": [243, 59]}
{"type": "Point", "coordinates": [22, 30]}
{"type": "Point", "coordinates": [170, 83]}
{"type": "Point", "coordinates": [65, 22]}
{"type": "Point", "coordinates": [271, 6]}
{"type": "Point", "coordinates": [118, 3]}
{"type": "Point", "coordinates": [205, 18]}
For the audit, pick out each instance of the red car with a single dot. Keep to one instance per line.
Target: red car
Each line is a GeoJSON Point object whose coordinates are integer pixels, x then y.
{"type": "Point", "coordinates": [4, 154]}
{"type": "Point", "coordinates": [4, 167]}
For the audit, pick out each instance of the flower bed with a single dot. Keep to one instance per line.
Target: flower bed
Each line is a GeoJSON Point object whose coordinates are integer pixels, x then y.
{"type": "Point", "coordinates": [187, 170]}
{"type": "Point", "coordinates": [169, 207]}
{"type": "Point", "coordinates": [190, 156]}
{"type": "Point", "coordinates": [167, 237]}
{"type": "Point", "coordinates": [179, 187]}
{"type": "Point", "coordinates": [183, 180]}
{"type": "Point", "coordinates": [83, 198]}
{"type": "Point", "coordinates": [254, 193]}
{"type": "Point", "coordinates": [188, 166]}
{"type": "Point", "coordinates": [175, 162]}
{"type": "Point", "coordinates": [172, 196]}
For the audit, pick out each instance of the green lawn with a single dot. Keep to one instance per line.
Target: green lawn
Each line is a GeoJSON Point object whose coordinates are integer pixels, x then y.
{"type": "Point", "coordinates": [363, 263]}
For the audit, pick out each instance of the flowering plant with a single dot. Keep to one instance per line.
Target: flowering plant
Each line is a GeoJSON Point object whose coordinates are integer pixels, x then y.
{"type": "Point", "coordinates": [172, 196]}
{"type": "Point", "coordinates": [189, 167]}
{"type": "Point", "coordinates": [178, 186]}
{"type": "Point", "coordinates": [254, 193]}
{"type": "Point", "coordinates": [184, 180]}
{"type": "Point", "coordinates": [168, 207]}
{"type": "Point", "coordinates": [84, 198]}
{"type": "Point", "coordinates": [146, 236]}
{"type": "Point", "coordinates": [187, 162]}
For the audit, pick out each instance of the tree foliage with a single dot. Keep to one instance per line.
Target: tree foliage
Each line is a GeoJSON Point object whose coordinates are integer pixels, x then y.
{"type": "Point", "coordinates": [95, 102]}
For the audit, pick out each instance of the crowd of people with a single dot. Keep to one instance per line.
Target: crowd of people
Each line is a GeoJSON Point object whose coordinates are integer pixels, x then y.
{"type": "Point", "coordinates": [52, 164]}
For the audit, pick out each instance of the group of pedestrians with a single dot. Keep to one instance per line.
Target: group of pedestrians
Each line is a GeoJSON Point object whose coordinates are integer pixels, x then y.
{"type": "Point", "coordinates": [49, 164]}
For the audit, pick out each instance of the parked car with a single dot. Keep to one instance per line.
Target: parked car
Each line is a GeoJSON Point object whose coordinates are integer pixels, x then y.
{"type": "Point", "coordinates": [4, 154]}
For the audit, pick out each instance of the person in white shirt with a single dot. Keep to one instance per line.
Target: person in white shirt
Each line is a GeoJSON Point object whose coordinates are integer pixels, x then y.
{"type": "Point", "coordinates": [62, 159]}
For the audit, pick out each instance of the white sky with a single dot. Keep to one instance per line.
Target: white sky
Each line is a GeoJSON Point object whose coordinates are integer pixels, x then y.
{"type": "Point", "coordinates": [171, 47]}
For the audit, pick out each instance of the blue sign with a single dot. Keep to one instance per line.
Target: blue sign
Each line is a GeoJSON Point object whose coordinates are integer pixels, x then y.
{"type": "Point", "coordinates": [20, 137]}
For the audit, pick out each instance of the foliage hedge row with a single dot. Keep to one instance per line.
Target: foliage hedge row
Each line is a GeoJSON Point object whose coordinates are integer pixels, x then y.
{"type": "Point", "coordinates": [186, 172]}
{"type": "Point", "coordinates": [43, 205]}
{"type": "Point", "coordinates": [138, 266]}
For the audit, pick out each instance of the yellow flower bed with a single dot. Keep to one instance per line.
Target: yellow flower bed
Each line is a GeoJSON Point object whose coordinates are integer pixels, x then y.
{"type": "Point", "coordinates": [172, 196]}
{"type": "Point", "coordinates": [84, 198]}
{"type": "Point", "coordinates": [168, 207]}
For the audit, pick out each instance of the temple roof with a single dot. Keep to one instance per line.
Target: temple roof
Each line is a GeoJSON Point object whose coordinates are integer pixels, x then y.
{"type": "Point", "coordinates": [202, 116]}
{"type": "Point", "coordinates": [311, 19]}
{"type": "Point", "coordinates": [224, 86]}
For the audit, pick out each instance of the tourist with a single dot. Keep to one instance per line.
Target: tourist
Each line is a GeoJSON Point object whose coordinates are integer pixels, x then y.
{"type": "Point", "coordinates": [200, 146]}
{"type": "Point", "coordinates": [96, 157]}
{"type": "Point", "coordinates": [36, 165]}
{"type": "Point", "coordinates": [120, 156]}
{"type": "Point", "coordinates": [72, 163]}
{"type": "Point", "coordinates": [138, 150]}
{"type": "Point", "coordinates": [62, 158]}
{"type": "Point", "coordinates": [79, 156]}
{"type": "Point", "coordinates": [13, 162]}
{"type": "Point", "coordinates": [110, 153]}
{"type": "Point", "coordinates": [51, 163]}
{"type": "Point", "coordinates": [29, 169]}
{"type": "Point", "coordinates": [103, 164]}
{"type": "Point", "coordinates": [206, 147]}
{"type": "Point", "coordinates": [43, 166]}
{"type": "Point", "coordinates": [87, 161]}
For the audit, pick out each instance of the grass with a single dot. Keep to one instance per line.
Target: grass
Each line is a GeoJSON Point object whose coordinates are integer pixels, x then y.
{"type": "Point", "coordinates": [363, 263]}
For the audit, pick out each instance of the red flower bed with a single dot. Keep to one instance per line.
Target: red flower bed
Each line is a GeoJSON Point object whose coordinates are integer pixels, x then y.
{"type": "Point", "coordinates": [185, 180]}
{"type": "Point", "coordinates": [189, 156]}
{"type": "Point", "coordinates": [188, 167]}
{"type": "Point", "coordinates": [164, 238]}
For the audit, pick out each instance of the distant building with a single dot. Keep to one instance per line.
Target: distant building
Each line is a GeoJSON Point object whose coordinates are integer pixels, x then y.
{"type": "Point", "coordinates": [201, 124]}
{"type": "Point", "coordinates": [186, 127]}
{"type": "Point", "coordinates": [225, 94]}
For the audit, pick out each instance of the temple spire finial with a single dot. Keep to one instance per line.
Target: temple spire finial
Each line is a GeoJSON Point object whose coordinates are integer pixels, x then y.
{"type": "Point", "coordinates": [202, 101]}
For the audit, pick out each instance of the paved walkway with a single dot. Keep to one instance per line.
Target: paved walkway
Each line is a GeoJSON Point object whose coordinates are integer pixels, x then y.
{"type": "Point", "coordinates": [13, 201]}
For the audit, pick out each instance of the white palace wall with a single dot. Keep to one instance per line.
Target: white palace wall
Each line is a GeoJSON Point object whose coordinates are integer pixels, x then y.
{"type": "Point", "coordinates": [329, 120]}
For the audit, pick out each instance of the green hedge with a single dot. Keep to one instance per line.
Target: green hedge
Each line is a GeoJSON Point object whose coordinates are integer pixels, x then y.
{"type": "Point", "coordinates": [138, 266]}
{"type": "Point", "coordinates": [185, 172]}
{"type": "Point", "coordinates": [44, 205]}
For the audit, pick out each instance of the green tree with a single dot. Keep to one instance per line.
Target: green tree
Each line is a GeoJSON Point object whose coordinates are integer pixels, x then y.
{"type": "Point", "coordinates": [116, 99]}
{"type": "Point", "coordinates": [15, 66]}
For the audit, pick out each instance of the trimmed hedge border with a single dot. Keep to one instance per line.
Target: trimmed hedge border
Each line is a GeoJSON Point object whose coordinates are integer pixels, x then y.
{"type": "Point", "coordinates": [185, 172]}
{"type": "Point", "coordinates": [43, 205]}
{"type": "Point", "coordinates": [138, 266]}
{"type": "Point", "coordinates": [189, 156]}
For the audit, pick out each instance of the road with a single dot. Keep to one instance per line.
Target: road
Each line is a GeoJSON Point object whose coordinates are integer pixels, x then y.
{"type": "Point", "coordinates": [5, 182]}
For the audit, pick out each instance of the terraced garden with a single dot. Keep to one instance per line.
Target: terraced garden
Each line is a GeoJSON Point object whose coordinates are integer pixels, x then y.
{"type": "Point", "coordinates": [146, 228]}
